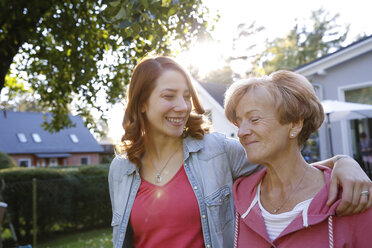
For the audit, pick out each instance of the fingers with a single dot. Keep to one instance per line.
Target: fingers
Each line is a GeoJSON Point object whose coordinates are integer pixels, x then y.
{"type": "Point", "coordinates": [346, 204]}
{"type": "Point", "coordinates": [333, 190]}
{"type": "Point", "coordinates": [363, 202]}
{"type": "Point", "coordinates": [358, 202]}
{"type": "Point", "coordinates": [353, 201]}
{"type": "Point", "coordinates": [369, 203]}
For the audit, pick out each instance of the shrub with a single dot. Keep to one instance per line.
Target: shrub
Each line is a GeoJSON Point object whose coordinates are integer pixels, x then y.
{"type": "Point", "coordinates": [6, 161]}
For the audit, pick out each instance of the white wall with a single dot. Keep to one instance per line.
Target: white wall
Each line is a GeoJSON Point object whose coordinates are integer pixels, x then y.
{"type": "Point", "coordinates": [219, 121]}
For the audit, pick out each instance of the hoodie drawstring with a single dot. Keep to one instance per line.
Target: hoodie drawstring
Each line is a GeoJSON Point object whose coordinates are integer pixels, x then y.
{"type": "Point", "coordinates": [236, 229]}
{"type": "Point", "coordinates": [330, 231]}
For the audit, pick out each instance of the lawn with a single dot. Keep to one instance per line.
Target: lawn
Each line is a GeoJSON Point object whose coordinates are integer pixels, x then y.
{"type": "Point", "coordinates": [100, 238]}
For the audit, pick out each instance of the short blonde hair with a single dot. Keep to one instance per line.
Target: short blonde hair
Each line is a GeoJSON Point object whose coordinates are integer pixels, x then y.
{"type": "Point", "coordinates": [293, 95]}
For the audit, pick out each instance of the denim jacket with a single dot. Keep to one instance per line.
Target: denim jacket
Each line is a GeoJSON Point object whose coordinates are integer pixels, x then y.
{"type": "Point", "coordinates": [211, 165]}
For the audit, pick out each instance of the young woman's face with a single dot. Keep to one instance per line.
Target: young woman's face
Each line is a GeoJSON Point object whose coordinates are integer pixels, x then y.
{"type": "Point", "coordinates": [169, 105]}
{"type": "Point", "coordinates": [260, 132]}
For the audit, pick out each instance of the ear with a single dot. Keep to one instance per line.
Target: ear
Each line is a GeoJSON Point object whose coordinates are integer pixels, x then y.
{"type": "Point", "coordinates": [295, 128]}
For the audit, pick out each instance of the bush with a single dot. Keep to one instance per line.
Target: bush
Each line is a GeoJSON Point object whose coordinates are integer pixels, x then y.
{"type": "Point", "coordinates": [67, 199]}
{"type": "Point", "coordinates": [6, 161]}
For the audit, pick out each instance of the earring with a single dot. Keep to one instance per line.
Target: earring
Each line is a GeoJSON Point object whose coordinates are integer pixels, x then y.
{"type": "Point", "coordinates": [292, 135]}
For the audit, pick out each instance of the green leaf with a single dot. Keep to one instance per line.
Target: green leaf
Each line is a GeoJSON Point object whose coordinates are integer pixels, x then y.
{"type": "Point", "coordinates": [166, 3]}
{"type": "Point", "coordinates": [172, 11]}
{"type": "Point", "coordinates": [145, 3]}
{"type": "Point", "coordinates": [124, 24]}
{"type": "Point", "coordinates": [115, 3]}
{"type": "Point", "coordinates": [120, 15]}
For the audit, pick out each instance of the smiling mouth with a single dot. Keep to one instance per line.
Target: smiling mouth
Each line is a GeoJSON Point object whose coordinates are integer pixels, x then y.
{"type": "Point", "coordinates": [175, 120]}
{"type": "Point", "coordinates": [247, 143]}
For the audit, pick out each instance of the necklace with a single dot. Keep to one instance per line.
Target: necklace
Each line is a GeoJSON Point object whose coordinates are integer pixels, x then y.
{"type": "Point", "coordinates": [158, 176]}
{"type": "Point", "coordinates": [287, 198]}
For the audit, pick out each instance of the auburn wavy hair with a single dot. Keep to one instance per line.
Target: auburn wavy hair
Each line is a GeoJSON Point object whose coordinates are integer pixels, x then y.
{"type": "Point", "coordinates": [142, 84]}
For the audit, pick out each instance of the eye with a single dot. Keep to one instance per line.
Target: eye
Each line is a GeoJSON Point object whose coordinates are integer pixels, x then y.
{"type": "Point", "coordinates": [255, 119]}
{"type": "Point", "coordinates": [168, 96]}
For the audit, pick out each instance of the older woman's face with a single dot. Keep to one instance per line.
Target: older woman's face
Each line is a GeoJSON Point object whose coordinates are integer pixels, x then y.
{"type": "Point", "coordinates": [262, 136]}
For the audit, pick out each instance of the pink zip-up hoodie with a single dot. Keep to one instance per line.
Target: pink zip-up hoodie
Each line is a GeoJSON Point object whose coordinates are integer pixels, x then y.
{"type": "Point", "coordinates": [316, 228]}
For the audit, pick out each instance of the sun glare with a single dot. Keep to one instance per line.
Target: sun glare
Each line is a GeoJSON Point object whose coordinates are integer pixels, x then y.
{"type": "Point", "coordinates": [202, 57]}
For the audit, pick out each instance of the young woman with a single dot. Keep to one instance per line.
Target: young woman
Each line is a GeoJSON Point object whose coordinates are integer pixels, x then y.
{"type": "Point", "coordinates": [284, 205]}
{"type": "Point", "coordinates": [172, 185]}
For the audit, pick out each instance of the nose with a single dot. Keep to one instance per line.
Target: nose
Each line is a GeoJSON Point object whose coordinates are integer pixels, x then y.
{"type": "Point", "coordinates": [181, 104]}
{"type": "Point", "coordinates": [244, 130]}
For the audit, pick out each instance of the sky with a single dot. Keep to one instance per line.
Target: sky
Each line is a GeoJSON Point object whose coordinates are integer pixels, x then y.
{"type": "Point", "coordinates": [278, 17]}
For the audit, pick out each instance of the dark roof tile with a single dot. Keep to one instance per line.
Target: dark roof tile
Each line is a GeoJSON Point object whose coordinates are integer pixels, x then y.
{"type": "Point", "coordinates": [60, 142]}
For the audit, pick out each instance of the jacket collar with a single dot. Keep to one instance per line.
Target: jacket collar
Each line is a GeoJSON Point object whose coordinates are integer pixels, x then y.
{"type": "Point", "coordinates": [129, 167]}
{"type": "Point", "coordinates": [189, 145]}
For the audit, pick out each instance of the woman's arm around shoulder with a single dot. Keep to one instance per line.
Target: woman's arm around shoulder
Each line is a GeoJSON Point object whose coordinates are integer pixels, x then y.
{"type": "Point", "coordinates": [237, 159]}
{"type": "Point", "coordinates": [348, 175]}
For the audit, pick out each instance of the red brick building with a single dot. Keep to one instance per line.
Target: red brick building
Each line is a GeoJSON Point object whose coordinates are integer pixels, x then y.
{"type": "Point", "coordinates": [23, 138]}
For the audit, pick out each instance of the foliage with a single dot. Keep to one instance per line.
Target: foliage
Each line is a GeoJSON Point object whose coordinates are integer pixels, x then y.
{"type": "Point", "coordinates": [6, 161]}
{"type": "Point", "coordinates": [302, 45]}
{"type": "Point", "coordinates": [86, 49]}
{"type": "Point", "coordinates": [67, 199]}
{"type": "Point", "coordinates": [97, 238]}
{"type": "Point", "coordinates": [223, 75]}
{"type": "Point", "coordinates": [245, 41]}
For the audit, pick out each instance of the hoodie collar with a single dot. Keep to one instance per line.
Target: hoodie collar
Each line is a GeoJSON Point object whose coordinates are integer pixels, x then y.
{"type": "Point", "coordinates": [247, 207]}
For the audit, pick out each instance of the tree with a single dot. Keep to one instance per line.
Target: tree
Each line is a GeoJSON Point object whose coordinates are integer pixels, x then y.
{"type": "Point", "coordinates": [76, 52]}
{"type": "Point", "coordinates": [6, 162]}
{"type": "Point", "coordinates": [302, 45]}
{"type": "Point", "coordinates": [222, 75]}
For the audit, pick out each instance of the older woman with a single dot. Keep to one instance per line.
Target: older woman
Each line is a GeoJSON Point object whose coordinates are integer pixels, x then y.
{"type": "Point", "coordinates": [284, 205]}
{"type": "Point", "coordinates": [172, 185]}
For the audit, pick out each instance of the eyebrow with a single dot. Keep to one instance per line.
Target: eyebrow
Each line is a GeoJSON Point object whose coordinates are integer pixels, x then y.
{"type": "Point", "coordinates": [172, 90]}
{"type": "Point", "coordinates": [168, 89]}
{"type": "Point", "coordinates": [247, 113]}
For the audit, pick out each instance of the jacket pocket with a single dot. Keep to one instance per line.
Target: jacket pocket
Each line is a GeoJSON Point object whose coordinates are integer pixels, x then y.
{"type": "Point", "coordinates": [219, 206]}
{"type": "Point", "coordinates": [115, 219]}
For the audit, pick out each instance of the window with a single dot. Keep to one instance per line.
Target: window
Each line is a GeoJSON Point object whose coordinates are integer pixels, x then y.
{"type": "Point", "coordinates": [22, 137]}
{"type": "Point", "coordinates": [36, 137]}
{"type": "Point", "coordinates": [24, 162]}
{"type": "Point", "coordinates": [361, 95]}
{"type": "Point", "coordinates": [74, 138]}
{"type": "Point", "coordinates": [53, 162]}
{"type": "Point", "coordinates": [84, 160]}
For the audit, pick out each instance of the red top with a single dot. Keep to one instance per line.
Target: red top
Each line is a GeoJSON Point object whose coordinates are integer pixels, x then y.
{"type": "Point", "coordinates": [168, 215]}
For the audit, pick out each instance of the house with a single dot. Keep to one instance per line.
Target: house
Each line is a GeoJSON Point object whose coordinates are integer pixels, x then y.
{"type": "Point", "coordinates": [211, 96]}
{"type": "Point", "coordinates": [109, 151]}
{"type": "Point", "coordinates": [345, 75]}
{"type": "Point", "coordinates": [22, 137]}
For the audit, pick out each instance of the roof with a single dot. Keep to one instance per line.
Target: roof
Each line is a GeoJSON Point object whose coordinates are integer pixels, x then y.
{"type": "Point", "coordinates": [29, 123]}
{"type": "Point", "coordinates": [349, 52]}
{"type": "Point", "coordinates": [217, 91]}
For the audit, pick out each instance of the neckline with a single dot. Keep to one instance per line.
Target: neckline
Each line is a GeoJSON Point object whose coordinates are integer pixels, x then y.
{"type": "Point", "coordinates": [164, 185]}
{"type": "Point", "coordinates": [295, 208]}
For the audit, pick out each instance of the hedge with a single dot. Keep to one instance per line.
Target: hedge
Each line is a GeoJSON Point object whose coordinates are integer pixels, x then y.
{"type": "Point", "coordinates": [67, 199]}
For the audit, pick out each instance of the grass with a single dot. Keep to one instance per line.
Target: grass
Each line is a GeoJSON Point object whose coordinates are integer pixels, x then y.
{"type": "Point", "coordinates": [100, 238]}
